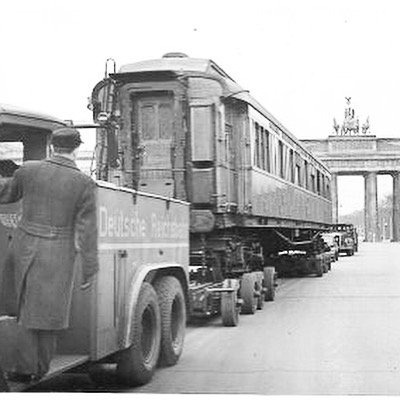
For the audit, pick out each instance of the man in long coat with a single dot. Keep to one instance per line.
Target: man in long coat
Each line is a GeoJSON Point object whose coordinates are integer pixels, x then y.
{"type": "Point", "coordinates": [58, 221]}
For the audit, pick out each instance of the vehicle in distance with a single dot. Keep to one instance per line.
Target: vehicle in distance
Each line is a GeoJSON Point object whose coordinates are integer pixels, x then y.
{"type": "Point", "coordinates": [332, 239]}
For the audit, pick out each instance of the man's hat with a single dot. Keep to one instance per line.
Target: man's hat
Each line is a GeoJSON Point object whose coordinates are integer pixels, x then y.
{"type": "Point", "coordinates": [66, 138]}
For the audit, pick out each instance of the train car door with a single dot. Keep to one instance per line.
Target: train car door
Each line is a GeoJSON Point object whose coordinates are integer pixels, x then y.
{"type": "Point", "coordinates": [152, 141]}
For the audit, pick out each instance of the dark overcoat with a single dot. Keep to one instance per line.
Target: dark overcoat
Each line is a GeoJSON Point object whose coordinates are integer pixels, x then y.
{"type": "Point", "coordinates": [58, 220]}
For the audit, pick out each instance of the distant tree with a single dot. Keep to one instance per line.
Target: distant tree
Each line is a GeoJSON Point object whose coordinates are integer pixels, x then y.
{"type": "Point", "coordinates": [384, 218]}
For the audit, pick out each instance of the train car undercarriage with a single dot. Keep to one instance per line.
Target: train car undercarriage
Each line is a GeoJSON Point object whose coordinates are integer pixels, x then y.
{"type": "Point", "coordinates": [235, 271]}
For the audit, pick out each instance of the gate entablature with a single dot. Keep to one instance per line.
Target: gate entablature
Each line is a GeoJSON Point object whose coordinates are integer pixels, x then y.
{"type": "Point", "coordinates": [357, 155]}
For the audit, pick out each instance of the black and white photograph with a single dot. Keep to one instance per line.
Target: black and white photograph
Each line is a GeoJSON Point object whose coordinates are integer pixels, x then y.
{"type": "Point", "coordinates": [200, 197]}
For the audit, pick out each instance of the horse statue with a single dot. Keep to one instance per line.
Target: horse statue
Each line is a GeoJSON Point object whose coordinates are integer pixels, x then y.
{"type": "Point", "coordinates": [365, 127]}
{"type": "Point", "coordinates": [336, 126]}
{"type": "Point", "coordinates": [350, 126]}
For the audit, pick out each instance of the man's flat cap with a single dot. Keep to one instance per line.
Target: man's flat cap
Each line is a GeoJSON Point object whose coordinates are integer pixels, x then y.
{"type": "Point", "coordinates": [66, 138]}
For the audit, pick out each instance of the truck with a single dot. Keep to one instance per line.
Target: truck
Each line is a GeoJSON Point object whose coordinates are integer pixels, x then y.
{"type": "Point", "coordinates": [134, 315]}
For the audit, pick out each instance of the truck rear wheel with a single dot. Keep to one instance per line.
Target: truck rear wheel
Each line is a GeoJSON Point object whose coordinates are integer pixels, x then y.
{"type": "Point", "coordinates": [269, 283]}
{"type": "Point", "coordinates": [137, 363]}
{"type": "Point", "coordinates": [173, 318]}
{"type": "Point", "coordinates": [229, 309]}
{"type": "Point", "coordinates": [247, 293]}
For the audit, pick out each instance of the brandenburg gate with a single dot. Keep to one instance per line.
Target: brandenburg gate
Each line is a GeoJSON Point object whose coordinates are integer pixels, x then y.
{"type": "Point", "coordinates": [349, 152]}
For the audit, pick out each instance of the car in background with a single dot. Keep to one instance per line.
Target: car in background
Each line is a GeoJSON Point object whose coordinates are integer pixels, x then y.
{"type": "Point", "coordinates": [351, 231]}
{"type": "Point", "coordinates": [346, 243]}
{"type": "Point", "coordinates": [332, 241]}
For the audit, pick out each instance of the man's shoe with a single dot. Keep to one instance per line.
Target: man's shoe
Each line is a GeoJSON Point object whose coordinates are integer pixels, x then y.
{"type": "Point", "coordinates": [3, 383]}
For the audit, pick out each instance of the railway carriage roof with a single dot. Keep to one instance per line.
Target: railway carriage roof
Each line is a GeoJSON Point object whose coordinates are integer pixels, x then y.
{"type": "Point", "coordinates": [176, 64]}
{"type": "Point", "coordinates": [182, 64]}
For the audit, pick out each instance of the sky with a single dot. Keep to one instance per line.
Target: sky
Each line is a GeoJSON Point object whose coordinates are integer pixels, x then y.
{"type": "Point", "coordinates": [300, 59]}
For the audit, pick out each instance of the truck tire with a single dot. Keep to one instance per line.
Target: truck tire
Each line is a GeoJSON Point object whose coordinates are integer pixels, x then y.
{"type": "Point", "coordinates": [269, 283]}
{"type": "Point", "coordinates": [247, 293]}
{"type": "Point", "coordinates": [137, 363]}
{"type": "Point", "coordinates": [173, 319]}
{"type": "Point", "coordinates": [229, 309]}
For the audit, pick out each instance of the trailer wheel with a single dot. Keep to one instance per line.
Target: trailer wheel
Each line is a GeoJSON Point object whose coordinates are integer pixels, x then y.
{"type": "Point", "coordinates": [137, 363]}
{"type": "Point", "coordinates": [269, 283]}
{"type": "Point", "coordinates": [319, 268]}
{"type": "Point", "coordinates": [258, 278]}
{"type": "Point", "coordinates": [173, 319]}
{"type": "Point", "coordinates": [229, 309]}
{"type": "Point", "coordinates": [325, 267]}
{"type": "Point", "coordinates": [247, 293]}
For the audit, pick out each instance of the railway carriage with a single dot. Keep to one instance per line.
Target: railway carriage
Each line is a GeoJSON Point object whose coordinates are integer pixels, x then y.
{"type": "Point", "coordinates": [182, 127]}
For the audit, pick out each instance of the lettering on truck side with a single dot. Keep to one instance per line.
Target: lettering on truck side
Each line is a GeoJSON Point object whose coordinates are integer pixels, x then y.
{"type": "Point", "coordinates": [117, 224]}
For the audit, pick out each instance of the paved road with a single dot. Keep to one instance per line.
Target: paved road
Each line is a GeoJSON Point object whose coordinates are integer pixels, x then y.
{"type": "Point", "coordinates": [339, 334]}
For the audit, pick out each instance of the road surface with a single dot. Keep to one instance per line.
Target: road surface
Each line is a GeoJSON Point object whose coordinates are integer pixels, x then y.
{"type": "Point", "coordinates": [339, 334]}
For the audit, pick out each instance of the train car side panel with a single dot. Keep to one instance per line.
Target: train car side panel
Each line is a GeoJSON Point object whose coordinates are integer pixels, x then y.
{"type": "Point", "coordinates": [274, 197]}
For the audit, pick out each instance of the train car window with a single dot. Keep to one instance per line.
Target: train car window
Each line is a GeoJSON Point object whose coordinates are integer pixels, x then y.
{"type": "Point", "coordinates": [267, 151]}
{"type": "Point", "coordinates": [148, 122]}
{"type": "Point", "coordinates": [274, 155]}
{"type": "Point", "coordinates": [291, 166]}
{"type": "Point", "coordinates": [312, 183]}
{"type": "Point", "coordinates": [166, 120]}
{"type": "Point", "coordinates": [306, 183]}
{"type": "Point", "coordinates": [155, 120]}
{"type": "Point", "coordinates": [202, 133]}
{"type": "Point", "coordinates": [281, 160]}
{"type": "Point", "coordinates": [318, 182]}
{"type": "Point", "coordinates": [297, 179]}
{"type": "Point", "coordinates": [259, 145]}
{"type": "Point", "coordinates": [262, 148]}
{"type": "Point", "coordinates": [256, 145]}
{"type": "Point", "coordinates": [328, 192]}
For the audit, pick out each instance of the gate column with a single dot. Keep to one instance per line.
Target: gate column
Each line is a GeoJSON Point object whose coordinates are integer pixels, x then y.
{"type": "Point", "coordinates": [371, 207]}
{"type": "Point", "coordinates": [396, 206]}
{"type": "Point", "coordinates": [334, 196]}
